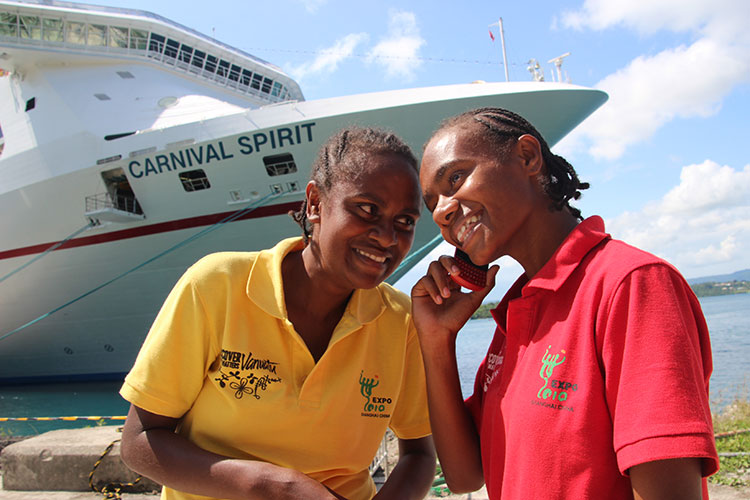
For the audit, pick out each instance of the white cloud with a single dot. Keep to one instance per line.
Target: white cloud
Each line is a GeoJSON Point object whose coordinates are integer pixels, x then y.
{"type": "Point", "coordinates": [710, 204]}
{"type": "Point", "coordinates": [398, 51]}
{"type": "Point", "coordinates": [329, 59]}
{"type": "Point", "coordinates": [313, 5]}
{"type": "Point", "coordinates": [680, 82]}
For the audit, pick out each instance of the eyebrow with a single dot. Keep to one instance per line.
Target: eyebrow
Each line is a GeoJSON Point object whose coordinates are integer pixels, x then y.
{"type": "Point", "coordinates": [438, 178]}
{"type": "Point", "coordinates": [379, 200]}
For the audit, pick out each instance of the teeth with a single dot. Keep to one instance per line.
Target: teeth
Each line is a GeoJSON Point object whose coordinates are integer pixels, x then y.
{"type": "Point", "coordinates": [465, 227]}
{"type": "Point", "coordinates": [370, 256]}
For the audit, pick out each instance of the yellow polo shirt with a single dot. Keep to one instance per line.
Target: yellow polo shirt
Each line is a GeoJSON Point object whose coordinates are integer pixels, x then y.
{"type": "Point", "coordinates": [223, 355]}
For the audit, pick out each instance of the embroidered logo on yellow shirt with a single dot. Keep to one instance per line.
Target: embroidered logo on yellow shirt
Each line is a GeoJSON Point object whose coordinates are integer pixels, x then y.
{"type": "Point", "coordinates": [251, 377]}
{"type": "Point", "coordinates": [375, 406]}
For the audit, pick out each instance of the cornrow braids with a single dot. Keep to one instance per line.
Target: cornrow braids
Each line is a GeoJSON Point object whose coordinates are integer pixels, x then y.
{"type": "Point", "coordinates": [341, 158]}
{"type": "Point", "coordinates": [503, 127]}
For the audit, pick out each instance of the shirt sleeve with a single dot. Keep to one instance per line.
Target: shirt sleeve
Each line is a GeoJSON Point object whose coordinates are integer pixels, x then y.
{"type": "Point", "coordinates": [176, 355]}
{"type": "Point", "coordinates": [656, 358]}
{"type": "Point", "coordinates": [411, 419]}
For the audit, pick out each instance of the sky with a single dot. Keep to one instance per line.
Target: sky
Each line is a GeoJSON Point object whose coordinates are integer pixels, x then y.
{"type": "Point", "coordinates": [666, 155]}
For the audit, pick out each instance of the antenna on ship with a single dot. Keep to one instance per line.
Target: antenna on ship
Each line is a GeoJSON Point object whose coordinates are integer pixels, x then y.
{"type": "Point", "coordinates": [557, 61]}
{"type": "Point", "coordinates": [535, 70]}
{"type": "Point", "coordinates": [499, 24]}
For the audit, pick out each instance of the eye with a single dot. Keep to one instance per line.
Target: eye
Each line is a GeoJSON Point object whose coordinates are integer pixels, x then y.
{"type": "Point", "coordinates": [455, 177]}
{"type": "Point", "coordinates": [406, 221]}
{"type": "Point", "coordinates": [368, 208]}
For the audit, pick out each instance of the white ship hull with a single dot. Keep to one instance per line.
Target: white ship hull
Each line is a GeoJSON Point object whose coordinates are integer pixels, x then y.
{"type": "Point", "coordinates": [95, 331]}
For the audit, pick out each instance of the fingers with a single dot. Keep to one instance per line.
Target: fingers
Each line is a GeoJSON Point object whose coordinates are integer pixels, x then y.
{"type": "Point", "coordinates": [437, 283]}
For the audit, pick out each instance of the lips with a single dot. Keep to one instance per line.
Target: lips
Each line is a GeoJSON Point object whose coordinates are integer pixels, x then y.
{"type": "Point", "coordinates": [380, 259]}
{"type": "Point", "coordinates": [465, 228]}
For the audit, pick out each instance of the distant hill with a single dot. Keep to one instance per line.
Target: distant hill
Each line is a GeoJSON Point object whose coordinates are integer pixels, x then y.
{"type": "Point", "coordinates": [743, 275]}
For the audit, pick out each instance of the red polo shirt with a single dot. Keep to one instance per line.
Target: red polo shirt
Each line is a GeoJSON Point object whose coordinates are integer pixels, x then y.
{"type": "Point", "coordinates": [599, 363]}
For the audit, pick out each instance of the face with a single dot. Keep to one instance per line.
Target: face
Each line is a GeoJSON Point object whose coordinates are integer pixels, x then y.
{"type": "Point", "coordinates": [365, 226]}
{"type": "Point", "coordinates": [481, 201]}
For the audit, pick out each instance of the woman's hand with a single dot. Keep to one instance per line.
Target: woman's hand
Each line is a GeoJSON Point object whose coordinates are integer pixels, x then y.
{"type": "Point", "coordinates": [438, 304]}
{"type": "Point", "coordinates": [151, 447]}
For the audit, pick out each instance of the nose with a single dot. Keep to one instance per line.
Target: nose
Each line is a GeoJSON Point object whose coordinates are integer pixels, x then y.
{"type": "Point", "coordinates": [384, 232]}
{"type": "Point", "coordinates": [444, 210]}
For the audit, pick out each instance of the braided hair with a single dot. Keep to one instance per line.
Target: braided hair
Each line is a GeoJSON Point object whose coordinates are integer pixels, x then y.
{"type": "Point", "coordinates": [342, 157]}
{"type": "Point", "coordinates": [501, 127]}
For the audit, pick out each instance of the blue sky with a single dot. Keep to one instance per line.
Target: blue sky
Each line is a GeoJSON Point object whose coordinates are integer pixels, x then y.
{"type": "Point", "coordinates": [666, 155]}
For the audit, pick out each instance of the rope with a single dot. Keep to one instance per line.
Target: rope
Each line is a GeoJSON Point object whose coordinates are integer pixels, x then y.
{"type": "Point", "coordinates": [731, 433]}
{"type": "Point", "coordinates": [111, 490]}
{"type": "Point", "coordinates": [50, 249]}
{"type": "Point", "coordinates": [51, 419]}
{"type": "Point", "coordinates": [197, 235]}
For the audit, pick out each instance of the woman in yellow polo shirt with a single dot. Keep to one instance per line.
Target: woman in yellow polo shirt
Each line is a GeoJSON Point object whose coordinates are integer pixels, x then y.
{"type": "Point", "coordinates": [275, 374]}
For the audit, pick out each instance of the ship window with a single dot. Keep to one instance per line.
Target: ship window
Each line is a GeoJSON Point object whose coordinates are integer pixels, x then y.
{"type": "Point", "coordinates": [75, 33]}
{"type": "Point", "coordinates": [8, 24]}
{"type": "Point", "coordinates": [276, 89]}
{"type": "Point", "coordinates": [138, 39]}
{"type": "Point", "coordinates": [198, 58]}
{"type": "Point", "coordinates": [223, 68]}
{"type": "Point", "coordinates": [52, 30]}
{"type": "Point", "coordinates": [246, 77]}
{"type": "Point", "coordinates": [118, 37]}
{"type": "Point", "coordinates": [211, 64]}
{"type": "Point", "coordinates": [125, 75]}
{"type": "Point", "coordinates": [186, 53]}
{"type": "Point", "coordinates": [194, 180]}
{"type": "Point", "coordinates": [103, 97]}
{"type": "Point", "coordinates": [97, 35]}
{"type": "Point", "coordinates": [171, 49]}
{"type": "Point", "coordinates": [257, 79]}
{"type": "Point", "coordinates": [280, 164]}
{"type": "Point", "coordinates": [266, 85]}
{"type": "Point", "coordinates": [31, 27]}
{"type": "Point", "coordinates": [156, 44]}
{"type": "Point", "coordinates": [31, 104]}
{"type": "Point", "coordinates": [234, 73]}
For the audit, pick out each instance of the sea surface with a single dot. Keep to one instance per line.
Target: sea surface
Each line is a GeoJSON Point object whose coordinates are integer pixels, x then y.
{"type": "Point", "coordinates": [728, 319]}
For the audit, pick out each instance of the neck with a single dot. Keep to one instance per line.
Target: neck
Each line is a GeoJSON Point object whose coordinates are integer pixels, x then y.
{"type": "Point", "coordinates": [544, 240]}
{"type": "Point", "coordinates": [307, 288]}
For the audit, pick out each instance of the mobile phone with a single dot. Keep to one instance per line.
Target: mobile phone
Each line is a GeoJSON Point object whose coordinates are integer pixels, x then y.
{"type": "Point", "coordinates": [472, 276]}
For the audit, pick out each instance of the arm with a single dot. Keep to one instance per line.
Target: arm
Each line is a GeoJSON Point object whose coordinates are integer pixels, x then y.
{"type": "Point", "coordinates": [150, 447]}
{"type": "Point", "coordinates": [440, 309]}
{"type": "Point", "coordinates": [674, 479]}
{"type": "Point", "coordinates": [414, 472]}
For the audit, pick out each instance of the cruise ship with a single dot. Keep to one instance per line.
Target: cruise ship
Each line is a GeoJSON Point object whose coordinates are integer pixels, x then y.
{"type": "Point", "coordinates": [133, 145]}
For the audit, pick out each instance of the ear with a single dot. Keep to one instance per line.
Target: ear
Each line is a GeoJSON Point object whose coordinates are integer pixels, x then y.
{"type": "Point", "coordinates": [312, 193]}
{"type": "Point", "coordinates": [530, 151]}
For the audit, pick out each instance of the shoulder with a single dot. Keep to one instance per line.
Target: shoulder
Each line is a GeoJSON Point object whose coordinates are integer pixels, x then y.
{"type": "Point", "coordinates": [396, 301]}
{"type": "Point", "coordinates": [221, 266]}
{"type": "Point", "coordinates": [617, 260]}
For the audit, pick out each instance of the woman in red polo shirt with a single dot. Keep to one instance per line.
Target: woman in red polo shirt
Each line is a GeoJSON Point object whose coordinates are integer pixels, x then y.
{"type": "Point", "coordinates": [596, 382]}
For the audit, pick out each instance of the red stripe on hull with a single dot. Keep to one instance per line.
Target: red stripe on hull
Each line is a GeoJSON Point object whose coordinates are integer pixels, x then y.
{"type": "Point", "coordinates": [162, 227]}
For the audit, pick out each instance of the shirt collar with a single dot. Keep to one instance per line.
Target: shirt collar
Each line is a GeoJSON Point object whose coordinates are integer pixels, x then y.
{"type": "Point", "coordinates": [265, 289]}
{"type": "Point", "coordinates": [568, 255]}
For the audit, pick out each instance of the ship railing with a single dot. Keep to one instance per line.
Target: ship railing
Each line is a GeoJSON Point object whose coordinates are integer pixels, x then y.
{"type": "Point", "coordinates": [105, 201]}
{"type": "Point", "coordinates": [144, 47]}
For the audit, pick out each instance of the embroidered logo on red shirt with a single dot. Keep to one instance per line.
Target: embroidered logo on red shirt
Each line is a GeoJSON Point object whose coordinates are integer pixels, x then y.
{"type": "Point", "coordinates": [556, 390]}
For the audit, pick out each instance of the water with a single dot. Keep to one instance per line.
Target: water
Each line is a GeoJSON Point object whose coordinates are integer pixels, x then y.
{"type": "Point", "coordinates": [727, 317]}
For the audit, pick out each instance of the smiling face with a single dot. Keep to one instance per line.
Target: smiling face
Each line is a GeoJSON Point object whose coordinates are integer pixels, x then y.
{"type": "Point", "coordinates": [482, 198]}
{"type": "Point", "coordinates": [364, 226]}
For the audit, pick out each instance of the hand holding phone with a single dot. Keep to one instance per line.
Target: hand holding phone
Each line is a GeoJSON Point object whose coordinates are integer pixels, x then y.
{"type": "Point", "coordinates": [472, 276]}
